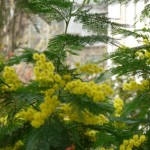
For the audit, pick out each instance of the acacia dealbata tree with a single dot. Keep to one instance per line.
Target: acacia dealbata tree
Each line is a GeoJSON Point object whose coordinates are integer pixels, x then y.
{"type": "Point", "coordinates": [62, 108]}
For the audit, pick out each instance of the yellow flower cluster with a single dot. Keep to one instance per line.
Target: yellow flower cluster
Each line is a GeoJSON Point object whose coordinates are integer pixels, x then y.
{"type": "Point", "coordinates": [37, 118]}
{"type": "Point", "coordinates": [90, 119]}
{"type": "Point", "coordinates": [119, 124]}
{"type": "Point", "coordinates": [95, 91]}
{"type": "Point", "coordinates": [17, 146]}
{"type": "Point", "coordinates": [134, 86]}
{"type": "Point", "coordinates": [147, 54]}
{"type": "Point", "coordinates": [143, 54]}
{"type": "Point", "coordinates": [85, 117]}
{"type": "Point", "coordinates": [118, 105]}
{"type": "Point", "coordinates": [66, 77]}
{"type": "Point", "coordinates": [11, 78]}
{"type": "Point", "coordinates": [44, 73]}
{"type": "Point", "coordinates": [139, 54]}
{"type": "Point", "coordinates": [44, 70]}
{"type": "Point", "coordinates": [88, 68]}
{"type": "Point", "coordinates": [26, 115]}
{"type": "Point", "coordinates": [91, 134]}
{"type": "Point", "coordinates": [136, 141]}
{"type": "Point", "coordinates": [3, 120]}
{"type": "Point", "coordinates": [65, 110]}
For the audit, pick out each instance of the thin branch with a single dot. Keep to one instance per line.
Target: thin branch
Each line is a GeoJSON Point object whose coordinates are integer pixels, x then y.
{"type": "Point", "coordinates": [29, 17]}
{"type": "Point", "coordinates": [82, 5]}
{"type": "Point", "coordinates": [60, 13]}
{"type": "Point", "coordinates": [34, 107]}
{"type": "Point", "coordinates": [4, 83]}
{"type": "Point", "coordinates": [70, 15]}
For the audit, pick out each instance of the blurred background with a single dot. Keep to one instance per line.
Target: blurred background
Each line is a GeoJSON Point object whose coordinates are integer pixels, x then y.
{"type": "Point", "coordinates": [20, 29]}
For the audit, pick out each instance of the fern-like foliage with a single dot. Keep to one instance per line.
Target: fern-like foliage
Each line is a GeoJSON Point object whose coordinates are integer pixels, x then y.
{"type": "Point", "coordinates": [73, 43]}
{"type": "Point", "coordinates": [25, 56]}
{"type": "Point", "coordinates": [137, 33]}
{"type": "Point", "coordinates": [116, 1]}
{"type": "Point", "coordinates": [97, 23]}
{"type": "Point", "coordinates": [52, 9]}
{"type": "Point", "coordinates": [128, 63]}
{"type": "Point", "coordinates": [146, 12]}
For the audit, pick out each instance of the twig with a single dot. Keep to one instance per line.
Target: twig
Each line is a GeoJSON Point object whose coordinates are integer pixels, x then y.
{"type": "Point", "coordinates": [4, 83]}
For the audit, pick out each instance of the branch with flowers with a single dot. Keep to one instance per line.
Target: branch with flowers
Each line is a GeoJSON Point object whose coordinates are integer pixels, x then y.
{"type": "Point", "coordinates": [62, 108]}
